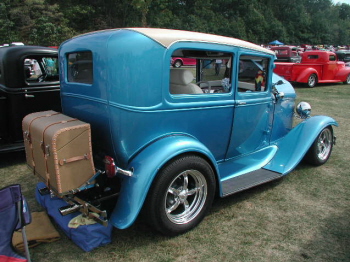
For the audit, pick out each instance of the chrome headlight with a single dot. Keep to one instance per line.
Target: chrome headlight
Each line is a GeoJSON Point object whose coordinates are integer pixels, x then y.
{"type": "Point", "coordinates": [304, 110]}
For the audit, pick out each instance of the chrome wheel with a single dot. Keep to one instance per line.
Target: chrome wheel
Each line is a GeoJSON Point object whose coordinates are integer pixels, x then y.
{"type": "Point", "coordinates": [324, 144]}
{"type": "Point", "coordinates": [185, 197]}
{"type": "Point", "coordinates": [178, 63]}
{"type": "Point", "coordinates": [312, 80]}
{"type": "Point", "coordinates": [181, 195]}
{"type": "Point", "coordinates": [321, 149]}
{"type": "Point", "coordinates": [347, 80]}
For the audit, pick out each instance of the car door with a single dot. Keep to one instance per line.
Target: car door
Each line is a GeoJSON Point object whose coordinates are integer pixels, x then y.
{"type": "Point", "coordinates": [330, 68]}
{"type": "Point", "coordinates": [254, 104]}
{"type": "Point", "coordinates": [39, 92]}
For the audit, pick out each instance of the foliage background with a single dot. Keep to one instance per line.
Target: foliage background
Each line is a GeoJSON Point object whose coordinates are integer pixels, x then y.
{"type": "Point", "coordinates": [50, 22]}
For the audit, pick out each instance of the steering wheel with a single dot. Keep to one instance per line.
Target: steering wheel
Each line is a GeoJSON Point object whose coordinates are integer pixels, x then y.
{"type": "Point", "coordinates": [207, 83]}
{"type": "Point", "coordinates": [42, 77]}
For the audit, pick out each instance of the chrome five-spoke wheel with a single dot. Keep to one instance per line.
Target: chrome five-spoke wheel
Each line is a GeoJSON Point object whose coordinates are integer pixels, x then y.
{"type": "Point", "coordinates": [324, 144]}
{"type": "Point", "coordinates": [186, 197]}
{"type": "Point", "coordinates": [181, 195]}
{"type": "Point", "coordinates": [321, 149]}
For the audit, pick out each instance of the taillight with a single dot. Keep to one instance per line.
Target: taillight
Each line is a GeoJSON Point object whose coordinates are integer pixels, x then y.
{"type": "Point", "coordinates": [110, 167]}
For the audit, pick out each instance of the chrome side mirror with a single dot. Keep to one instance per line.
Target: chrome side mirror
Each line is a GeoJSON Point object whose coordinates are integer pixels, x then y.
{"type": "Point", "coordinates": [303, 109]}
{"type": "Point", "coordinates": [278, 95]}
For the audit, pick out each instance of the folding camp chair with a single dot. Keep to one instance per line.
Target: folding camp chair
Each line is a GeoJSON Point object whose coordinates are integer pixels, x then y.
{"type": "Point", "coordinates": [14, 215]}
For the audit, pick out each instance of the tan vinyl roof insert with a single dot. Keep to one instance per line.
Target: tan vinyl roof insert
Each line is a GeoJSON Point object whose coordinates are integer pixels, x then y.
{"type": "Point", "coordinates": [167, 37]}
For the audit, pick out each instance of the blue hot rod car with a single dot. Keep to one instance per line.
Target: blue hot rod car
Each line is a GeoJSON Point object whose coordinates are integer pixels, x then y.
{"type": "Point", "coordinates": [165, 139]}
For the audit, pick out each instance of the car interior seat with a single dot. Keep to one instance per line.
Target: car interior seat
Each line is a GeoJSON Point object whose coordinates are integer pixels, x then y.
{"type": "Point", "coordinates": [181, 82]}
{"type": "Point", "coordinates": [14, 215]}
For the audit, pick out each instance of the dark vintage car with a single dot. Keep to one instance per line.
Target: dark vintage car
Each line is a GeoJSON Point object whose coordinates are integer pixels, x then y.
{"type": "Point", "coordinates": [286, 54]}
{"type": "Point", "coordinates": [343, 55]}
{"type": "Point", "coordinates": [29, 83]}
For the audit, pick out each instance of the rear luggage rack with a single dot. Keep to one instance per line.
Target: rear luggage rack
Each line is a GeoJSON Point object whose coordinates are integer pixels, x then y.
{"type": "Point", "coordinates": [88, 208]}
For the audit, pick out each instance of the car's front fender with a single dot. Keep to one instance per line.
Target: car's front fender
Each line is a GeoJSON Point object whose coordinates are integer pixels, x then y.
{"type": "Point", "coordinates": [343, 73]}
{"type": "Point", "coordinates": [293, 147]}
{"type": "Point", "coordinates": [145, 166]}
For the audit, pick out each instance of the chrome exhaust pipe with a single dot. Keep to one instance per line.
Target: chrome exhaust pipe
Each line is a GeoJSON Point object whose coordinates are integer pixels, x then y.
{"type": "Point", "coordinates": [65, 210]}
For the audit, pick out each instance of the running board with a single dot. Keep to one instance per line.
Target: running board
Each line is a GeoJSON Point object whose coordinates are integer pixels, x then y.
{"type": "Point", "coordinates": [248, 180]}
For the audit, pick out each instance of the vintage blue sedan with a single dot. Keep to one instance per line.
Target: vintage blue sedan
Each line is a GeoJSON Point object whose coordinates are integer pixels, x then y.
{"type": "Point", "coordinates": [166, 140]}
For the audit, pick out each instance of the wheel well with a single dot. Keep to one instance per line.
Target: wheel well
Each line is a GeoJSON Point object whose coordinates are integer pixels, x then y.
{"type": "Point", "coordinates": [313, 74]}
{"type": "Point", "coordinates": [178, 60]}
{"type": "Point", "coordinates": [206, 158]}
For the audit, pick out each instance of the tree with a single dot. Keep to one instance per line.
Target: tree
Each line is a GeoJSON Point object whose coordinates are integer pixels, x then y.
{"type": "Point", "coordinates": [39, 23]}
{"type": "Point", "coordinates": [7, 30]}
{"type": "Point", "coordinates": [50, 22]}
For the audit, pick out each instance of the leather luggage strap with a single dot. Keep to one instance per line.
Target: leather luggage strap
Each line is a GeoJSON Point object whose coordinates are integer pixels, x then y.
{"type": "Point", "coordinates": [27, 136]}
{"type": "Point", "coordinates": [73, 159]}
{"type": "Point", "coordinates": [52, 124]}
{"type": "Point", "coordinates": [43, 146]}
{"type": "Point", "coordinates": [27, 133]}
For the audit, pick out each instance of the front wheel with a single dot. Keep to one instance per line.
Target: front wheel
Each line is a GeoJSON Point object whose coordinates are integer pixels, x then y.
{"type": "Point", "coordinates": [347, 82]}
{"type": "Point", "coordinates": [181, 195]}
{"type": "Point", "coordinates": [177, 64]}
{"type": "Point", "coordinates": [312, 81]}
{"type": "Point", "coordinates": [321, 149]}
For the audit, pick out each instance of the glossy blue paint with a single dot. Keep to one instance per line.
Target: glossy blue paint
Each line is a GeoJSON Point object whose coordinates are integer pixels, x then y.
{"type": "Point", "coordinates": [246, 163]}
{"type": "Point", "coordinates": [293, 147]}
{"type": "Point", "coordinates": [146, 165]}
{"type": "Point", "coordinates": [284, 109]}
{"type": "Point", "coordinates": [137, 121]}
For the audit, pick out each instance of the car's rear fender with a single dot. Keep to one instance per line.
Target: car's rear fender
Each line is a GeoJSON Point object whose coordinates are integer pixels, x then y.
{"type": "Point", "coordinates": [293, 147]}
{"type": "Point", "coordinates": [303, 77]}
{"type": "Point", "coordinates": [145, 166]}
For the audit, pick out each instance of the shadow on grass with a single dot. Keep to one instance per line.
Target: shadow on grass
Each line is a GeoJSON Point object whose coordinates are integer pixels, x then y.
{"type": "Point", "coordinates": [221, 203]}
{"type": "Point", "coordinates": [332, 241]}
{"type": "Point", "coordinates": [301, 85]}
{"type": "Point", "coordinates": [140, 233]}
{"type": "Point", "coordinates": [13, 158]}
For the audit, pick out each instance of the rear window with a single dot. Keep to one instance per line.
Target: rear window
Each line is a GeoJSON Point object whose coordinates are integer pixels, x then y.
{"type": "Point", "coordinates": [41, 69]}
{"type": "Point", "coordinates": [80, 67]}
{"type": "Point", "coordinates": [332, 58]}
{"type": "Point", "coordinates": [281, 52]}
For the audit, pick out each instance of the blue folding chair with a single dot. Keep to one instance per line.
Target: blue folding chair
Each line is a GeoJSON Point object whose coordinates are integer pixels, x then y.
{"type": "Point", "coordinates": [14, 215]}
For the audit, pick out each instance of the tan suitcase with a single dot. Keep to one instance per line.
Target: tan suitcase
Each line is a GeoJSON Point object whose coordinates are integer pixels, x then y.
{"type": "Point", "coordinates": [58, 149]}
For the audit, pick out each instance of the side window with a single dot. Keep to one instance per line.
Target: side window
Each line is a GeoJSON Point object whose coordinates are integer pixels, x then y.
{"type": "Point", "coordinates": [197, 72]}
{"type": "Point", "coordinates": [41, 69]}
{"type": "Point", "coordinates": [332, 58]}
{"type": "Point", "coordinates": [252, 73]}
{"type": "Point", "coordinates": [80, 67]}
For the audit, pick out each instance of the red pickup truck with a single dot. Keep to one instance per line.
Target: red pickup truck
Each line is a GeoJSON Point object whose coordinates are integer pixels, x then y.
{"type": "Point", "coordinates": [315, 67]}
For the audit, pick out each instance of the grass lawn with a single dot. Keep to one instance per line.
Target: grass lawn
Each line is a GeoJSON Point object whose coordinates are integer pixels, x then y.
{"type": "Point", "coordinates": [302, 217]}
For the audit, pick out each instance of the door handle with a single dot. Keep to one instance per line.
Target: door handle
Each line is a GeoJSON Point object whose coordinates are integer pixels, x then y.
{"type": "Point", "coordinates": [29, 96]}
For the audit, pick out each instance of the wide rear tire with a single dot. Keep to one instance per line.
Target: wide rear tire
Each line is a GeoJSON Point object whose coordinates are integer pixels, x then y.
{"type": "Point", "coordinates": [181, 195]}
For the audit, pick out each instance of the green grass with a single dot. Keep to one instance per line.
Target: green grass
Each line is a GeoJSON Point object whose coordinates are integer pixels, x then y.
{"type": "Point", "coordinates": [302, 217]}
